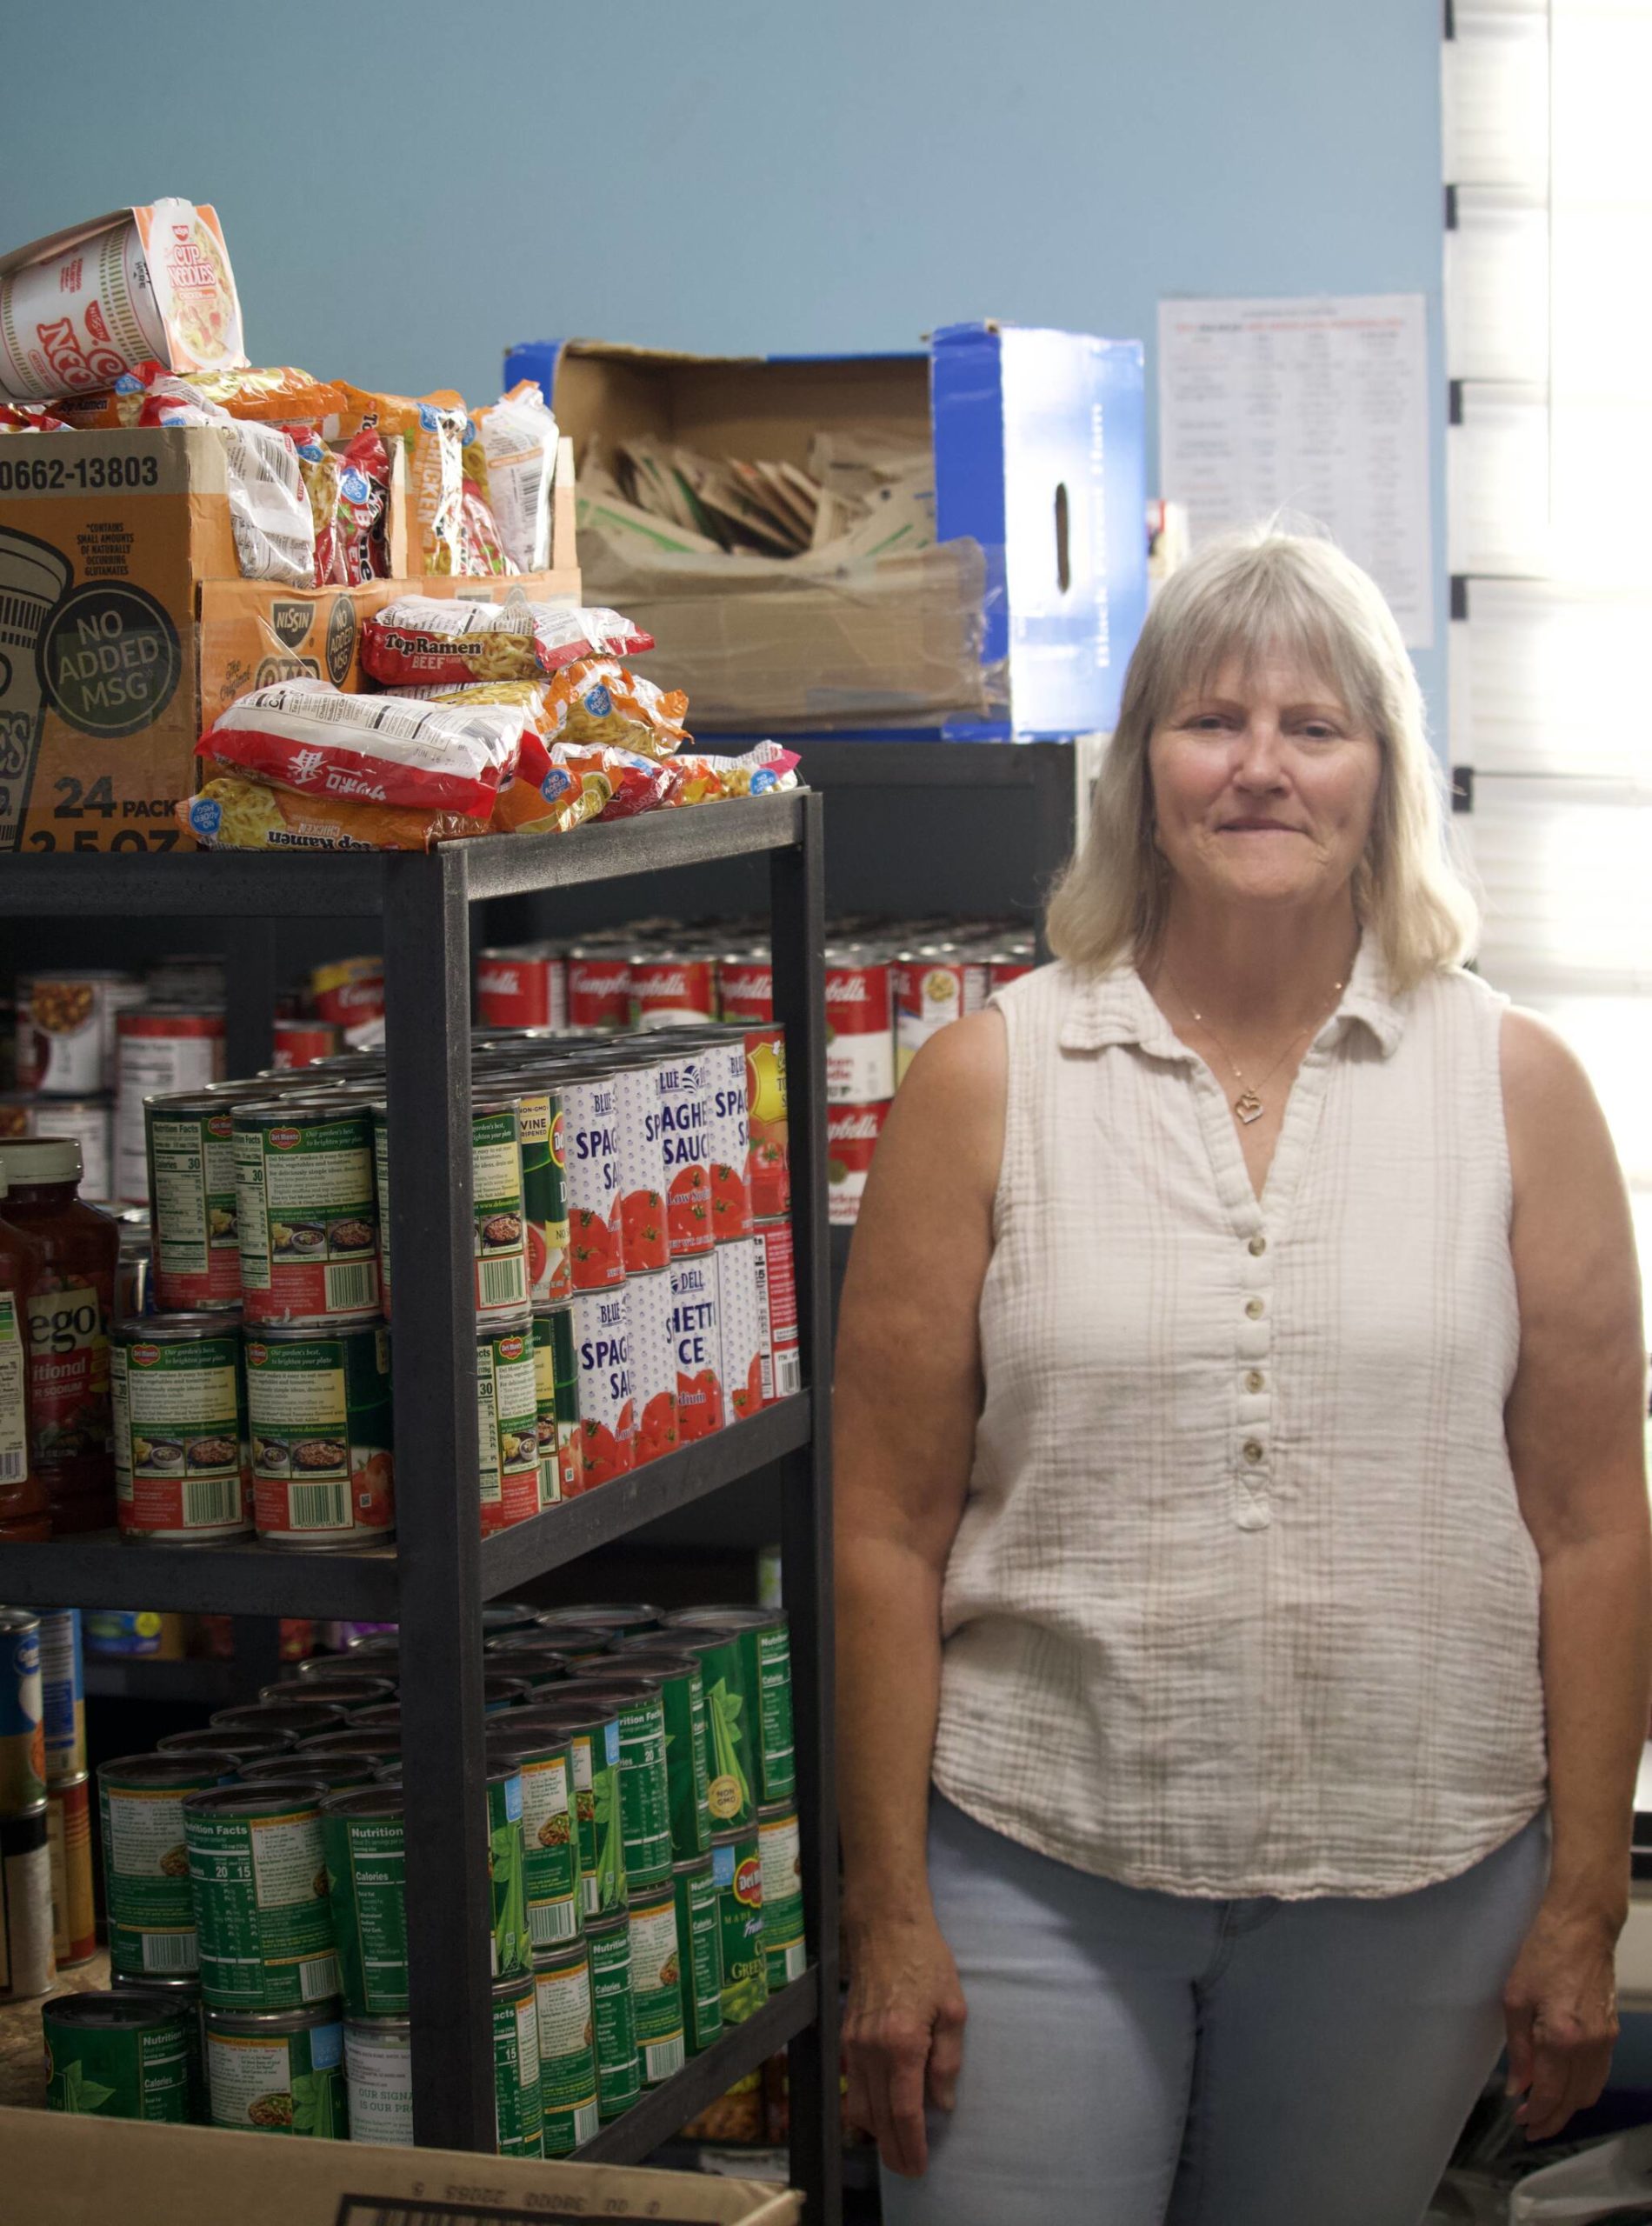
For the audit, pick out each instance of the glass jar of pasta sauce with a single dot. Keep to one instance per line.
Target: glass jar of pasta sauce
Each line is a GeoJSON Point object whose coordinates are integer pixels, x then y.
{"type": "Point", "coordinates": [23, 1497]}
{"type": "Point", "coordinates": [72, 1252]}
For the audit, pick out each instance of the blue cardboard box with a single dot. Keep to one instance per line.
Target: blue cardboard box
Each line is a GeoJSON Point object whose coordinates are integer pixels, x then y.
{"type": "Point", "coordinates": [1039, 450]}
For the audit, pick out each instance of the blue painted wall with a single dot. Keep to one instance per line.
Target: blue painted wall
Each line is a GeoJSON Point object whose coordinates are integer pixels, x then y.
{"type": "Point", "coordinates": [407, 188]}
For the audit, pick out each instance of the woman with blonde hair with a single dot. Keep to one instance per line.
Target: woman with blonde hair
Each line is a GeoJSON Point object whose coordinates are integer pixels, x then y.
{"type": "Point", "coordinates": [1244, 1544]}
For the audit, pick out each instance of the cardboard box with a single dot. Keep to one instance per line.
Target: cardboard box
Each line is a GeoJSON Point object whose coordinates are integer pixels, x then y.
{"type": "Point", "coordinates": [62, 2172]}
{"type": "Point", "coordinates": [1019, 621]}
{"type": "Point", "coordinates": [125, 626]}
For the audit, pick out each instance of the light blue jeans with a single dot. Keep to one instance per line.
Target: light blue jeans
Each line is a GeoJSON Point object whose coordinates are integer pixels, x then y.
{"type": "Point", "coordinates": [1144, 2059]}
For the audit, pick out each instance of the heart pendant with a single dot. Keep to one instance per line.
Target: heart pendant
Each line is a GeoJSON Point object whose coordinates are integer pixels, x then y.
{"type": "Point", "coordinates": [1249, 1107]}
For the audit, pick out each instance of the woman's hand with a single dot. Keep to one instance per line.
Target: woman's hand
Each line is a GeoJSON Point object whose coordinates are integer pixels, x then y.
{"type": "Point", "coordinates": [1561, 2008]}
{"type": "Point", "coordinates": [902, 2037]}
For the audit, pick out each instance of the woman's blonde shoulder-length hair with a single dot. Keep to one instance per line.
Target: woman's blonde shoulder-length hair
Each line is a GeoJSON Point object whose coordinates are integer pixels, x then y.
{"type": "Point", "coordinates": [1243, 598]}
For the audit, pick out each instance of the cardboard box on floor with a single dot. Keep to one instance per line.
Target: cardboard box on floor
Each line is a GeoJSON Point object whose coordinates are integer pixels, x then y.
{"type": "Point", "coordinates": [62, 2172]}
{"type": "Point", "coordinates": [125, 627]}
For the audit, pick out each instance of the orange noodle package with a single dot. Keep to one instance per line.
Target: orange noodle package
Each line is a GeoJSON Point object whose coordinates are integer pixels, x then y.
{"type": "Point", "coordinates": [307, 736]}
{"type": "Point", "coordinates": [559, 785]}
{"type": "Point", "coordinates": [363, 520]}
{"type": "Point", "coordinates": [432, 432]}
{"type": "Point", "coordinates": [756, 772]}
{"type": "Point", "coordinates": [596, 700]}
{"type": "Point", "coordinates": [321, 471]}
{"type": "Point", "coordinates": [276, 394]}
{"type": "Point", "coordinates": [233, 813]}
{"type": "Point", "coordinates": [17, 417]}
{"type": "Point", "coordinates": [421, 641]}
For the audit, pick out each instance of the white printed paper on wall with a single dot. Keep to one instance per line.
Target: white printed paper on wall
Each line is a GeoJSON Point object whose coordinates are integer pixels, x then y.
{"type": "Point", "coordinates": [1318, 407]}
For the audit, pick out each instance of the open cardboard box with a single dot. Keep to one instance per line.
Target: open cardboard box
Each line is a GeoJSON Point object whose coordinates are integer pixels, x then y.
{"type": "Point", "coordinates": [83, 2171]}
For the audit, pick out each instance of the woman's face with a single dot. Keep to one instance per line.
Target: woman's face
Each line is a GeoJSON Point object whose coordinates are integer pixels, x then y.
{"type": "Point", "coordinates": [1264, 785]}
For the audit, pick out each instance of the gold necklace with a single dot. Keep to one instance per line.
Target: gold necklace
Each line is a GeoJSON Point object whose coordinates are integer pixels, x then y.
{"type": "Point", "coordinates": [1248, 1105]}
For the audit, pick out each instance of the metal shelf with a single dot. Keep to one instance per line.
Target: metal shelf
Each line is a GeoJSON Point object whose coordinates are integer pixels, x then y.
{"type": "Point", "coordinates": [206, 1684]}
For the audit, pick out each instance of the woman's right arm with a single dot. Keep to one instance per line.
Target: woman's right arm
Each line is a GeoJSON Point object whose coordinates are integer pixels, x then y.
{"type": "Point", "coordinates": [906, 1394]}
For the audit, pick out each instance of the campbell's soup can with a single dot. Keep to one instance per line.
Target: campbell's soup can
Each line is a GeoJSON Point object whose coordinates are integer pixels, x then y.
{"type": "Point", "coordinates": [599, 989]}
{"type": "Point", "coordinates": [298, 1042]}
{"type": "Point", "coordinates": [860, 1036]}
{"type": "Point", "coordinates": [160, 1050]}
{"type": "Point", "coordinates": [522, 986]}
{"type": "Point", "coordinates": [89, 1121]}
{"type": "Point", "coordinates": [739, 1326]}
{"type": "Point", "coordinates": [768, 1162]}
{"type": "Point", "coordinates": [595, 1193]}
{"type": "Point", "coordinates": [932, 987]}
{"type": "Point", "coordinates": [672, 985]}
{"type": "Point", "coordinates": [350, 993]}
{"type": "Point", "coordinates": [852, 1132]}
{"type": "Point", "coordinates": [507, 1423]}
{"type": "Point", "coordinates": [607, 1397]}
{"type": "Point", "coordinates": [1001, 972]}
{"type": "Point", "coordinates": [653, 1379]}
{"type": "Point", "coordinates": [646, 1239]}
{"type": "Point", "coordinates": [745, 989]}
{"type": "Point", "coordinates": [66, 1028]}
{"type": "Point", "coordinates": [728, 1138]}
{"type": "Point", "coordinates": [684, 1092]}
{"type": "Point", "coordinates": [697, 1345]}
{"type": "Point", "coordinates": [782, 1371]}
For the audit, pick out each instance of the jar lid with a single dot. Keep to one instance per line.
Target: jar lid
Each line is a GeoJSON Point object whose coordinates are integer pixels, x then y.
{"type": "Point", "coordinates": [40, 1159]}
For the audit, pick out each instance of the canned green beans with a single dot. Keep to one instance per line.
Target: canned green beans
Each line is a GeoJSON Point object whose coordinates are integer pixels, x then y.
{"type": "Point", "coordinates": [119, 2056]}
{"type": "Point", "coordinates": [299, 1719]}
{"type": "Point", "coordinates": [737, 1869]}
{"type": "Point", "coordinates": [542, 1748]}
{"type": "Point", "coordinates": [23, 1732]}
{"type": "Point", "coordinates": [507, 1860]}
{"type": "Point", "coordinates": [307, 1219]}
{"type": "Point", "coordinates": [619, 2073]}
{"type": "Point", "coordinates": [683, 1696]}
{"type": "Point", "coordinates": [363, 1835]}
{"type": "Point", "coordinates": [780, 1853]}
{"type": "Point", "coordinates": [567, 2049]}
{"type": "Point", "coordinates": [507, 1423]}
{"type": "Point", "coordinates": [184, 1994]}
{"type": "Point", "coordinates": [176, 1404]}
{"type": "Point", "coordinates": [562, 1467]}
{"type": "Point", "coordinates": [594, 1749]}
{"type": "Point", "coordinates": [765, 1641]}
{"type": "Point", "coordinates": [645, 1797]}
{"type": "Point", "coordinates": [733, 1769]}
{"type": "Point", "coordinates": [258, 1880]}
{"type": "Point", "coordinates": [146, 1858]}
{"type": "Point", "coordinates": [656, 1982]}
{"type": "Point", "coordinates": [239, 1745]}
{"type": "Point", "coordinates": [348, 1693]}
{"type": "Point", "coordinates": [518, 2110]}
{"type": "Point", "coordinates": [319, 1407]}
{"type": "Point", "coordinates": [278, 2071]}
{"type": "Point", "coordinates": [378, 2072]}
{"type": "Point", "coordinates": [699, 1931]}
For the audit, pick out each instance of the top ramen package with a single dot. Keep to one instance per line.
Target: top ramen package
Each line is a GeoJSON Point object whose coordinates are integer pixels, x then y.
{"type": "Point", "coordinates": [422, 641]}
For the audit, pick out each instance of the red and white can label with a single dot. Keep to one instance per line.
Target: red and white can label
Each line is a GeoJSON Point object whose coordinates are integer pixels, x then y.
{"type": "Point", "coordinates": [653, 1363]}
{"type": "Point", "coordinates": [768, 1163]}
{"type": "Point", "coordinates": [852, 1132]}
{"type": "Point", "coordinates": [929, 993]}
{"type": "Point", "coordinates": [66, 1030]}
{"type": "Point", "coordinates": [741, 1325]}
{"type": "Point", "coordinates": [599, 992]}
{"type": "Point", "coordinates": [783, 1372]}
{"type": "Point", "coordinates": [642, 1151]}
{"type": "Point", "coordinates": [90, 1122]}
{"type": "Point", "coordinates": [350, 992]}
{"type": "Point", "coordinates": [156, 1054]}
{"type": "Point", "coordinates": [1003, 971]}
{"type": "Point", "coordinates": [729, 1138]}
{"type": "Point", "coordinates": [607, 1407]}
{"type": "Point", "coordinates": [746, 991]}
{"type": "Point", "coordinates": [860, 1041]}
{"type": "Point", "coordinates": [298, 1042]}
{"type": "Point", "coordinates": [672, 986]}
{"type": "Point", "coordinates": [697, 1345]}
{"type": "Point", "coordinates": [590, 1138]}
{"type": "Point", "coordinates": [521, 988]}
{"type": "Point", "coordinates": [685, 1139]}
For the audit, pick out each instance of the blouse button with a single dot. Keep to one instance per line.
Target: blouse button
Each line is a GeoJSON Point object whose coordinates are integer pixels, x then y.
{"type": "Point", "coordinates": [1258, 1246]}
{"type": "Point", "coordinates": [1254, 1309]}
{"type": "Point", "coordinates": [1254, 1380]}
{"type": "Point", "coordinates": [1253, 1451]}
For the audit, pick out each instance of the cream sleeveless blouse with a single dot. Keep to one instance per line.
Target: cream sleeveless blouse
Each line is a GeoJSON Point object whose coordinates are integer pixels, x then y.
{"type": "Point", "coordinates": [1242, 1602]}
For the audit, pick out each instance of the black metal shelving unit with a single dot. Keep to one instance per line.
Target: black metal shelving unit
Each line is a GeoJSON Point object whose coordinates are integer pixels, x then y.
{"type": "Point", "coordinates": [434, 1580]}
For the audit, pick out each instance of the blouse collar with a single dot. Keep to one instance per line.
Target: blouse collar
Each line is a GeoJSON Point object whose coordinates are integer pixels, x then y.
{"type": "Point", "coordinates": [1117, 1007]}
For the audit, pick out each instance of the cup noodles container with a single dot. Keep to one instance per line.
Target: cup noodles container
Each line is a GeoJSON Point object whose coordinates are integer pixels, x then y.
{"type": "Point", "coordinates": [745, 989]}
{"type": "Point", "coordinates": [350, 993]}
{"type": "Point", "coordinates": [66, 1019]}
{"type": "Point", "coordinates": [596, 1195]}
{"type": "Point", "coordinates": [645, 1237]}
{"type": "Point", "coordinates": [683, 1096]}
{"type": "Point", "coordinates": [783, 1372]}
{"type": "Point", "coordinates": [298, 1042]}
{"type": "Point", "coordinates": [654, 1373]}
{"type": "Point", "coordinates": [740, 1325]}
{"type": "Point", "coordinates": [89, 1120]}
{"type": "Point", "coordinates": [607, 1396]}
{"type": "Point", "coordinates": [670, 986]}
{"type": "Point", "coordinates": [160, 1050]}
{"type": "Point", "coordinates": [524, 987]}
{"type": "Point", "coordinates": [931, 989]}
{"type": "Point", "coordinates": [599, 989]}
{"type": "Point", "coordinates": [697, 1343]}
{"type": "Point", "coordinates": [768, 1163]}
{"type": "Point", "coordinates": [860, 1042]}
{"type": "Point", "coordinates": [852, 1132]}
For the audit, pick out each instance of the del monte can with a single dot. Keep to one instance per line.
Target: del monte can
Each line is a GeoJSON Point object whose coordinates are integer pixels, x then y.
{"type": "Point", "coordinates": [307, 1218]}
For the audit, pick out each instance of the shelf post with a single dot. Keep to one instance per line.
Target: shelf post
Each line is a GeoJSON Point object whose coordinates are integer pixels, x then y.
{"type": "Point", "coordinates": [427, 978]}
{"type": "Point", "coordinates": [798, 887]}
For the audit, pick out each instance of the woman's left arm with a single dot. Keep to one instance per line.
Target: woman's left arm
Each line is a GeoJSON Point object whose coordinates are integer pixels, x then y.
{"type": "Point", "coordinates": [1576, 1428]}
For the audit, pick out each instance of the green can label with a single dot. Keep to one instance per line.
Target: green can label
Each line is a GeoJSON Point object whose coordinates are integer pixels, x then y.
{"type": "Point", "coordinates": [771, 1656]}
{"type": "Point", "coordinates": [518, 2112]}
{"type": "Point", "coordinates": [279, 2082]}
{"type": "Point", "coordinates": [602, 1849]}
{"type": "Point", "coordinates": [645, 1793]}
{"type": "Point", "coordinates": [699, 1928]}
{"type": "Point", "coordinates": [118, 2071]}
{"type": "Point", "coordinates": [146, 1877]}
{"type": "Point", "coordinates": [683, 1698]}
{"type": "Point", "coordinates": [656, 1985]}
{"type": "Point", "coordinates": [562, 1465]}
{"type": "Point", "coordinates": [507, 1426]}
{"type": "Point", "coordinates": [731, 1761]}
{"type": "Point", "coordinates": [182, 1430]}
{"type": "Point", "coordinates": [259, 1885]}
{"type": "Point", "coordinates": [512, 1946]}
{"type": "Point", "coordinates": [550, 1836]}
{"type": "Point", "coordinates": [320, 1413]}
{"type": "Point", "coordinates": [619, 2074]}
{"type": "Point", "coordinates": [366, 1884]}
{"type": "Point", "coordinates": [192, 1198]}
{"type": "Point", "coordinates": [307, 1218]}
{"type": "Point", "coordinates": [501, 1215]}
{"type": "Point", "coordinates": [567, 2054]}
{"type": "Point", "coordinates": [781, 1854]}
{"type": "Point", "coordinates": [544, 1190]}
{"type": "Point", "coordinates": [737, 1867]}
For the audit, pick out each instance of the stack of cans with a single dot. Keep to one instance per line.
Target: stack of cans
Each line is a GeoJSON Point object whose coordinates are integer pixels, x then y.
{"type": "Point", "coordinates": [27, 1961]}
